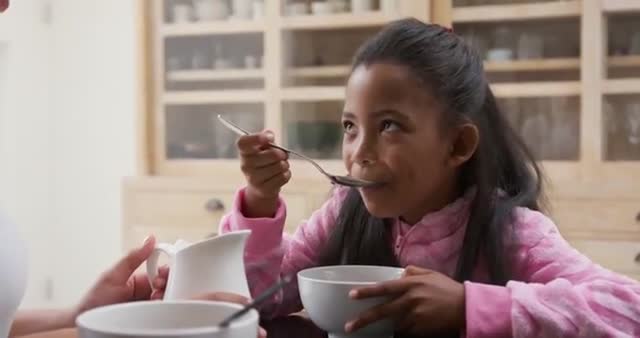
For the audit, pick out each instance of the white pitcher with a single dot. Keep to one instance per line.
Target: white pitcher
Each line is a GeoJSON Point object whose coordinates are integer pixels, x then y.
{"type": "Point", "coordinates": [211, 265]}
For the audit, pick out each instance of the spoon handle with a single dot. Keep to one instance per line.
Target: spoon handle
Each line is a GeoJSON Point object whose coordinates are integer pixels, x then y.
{"type": "Point", "coordinates": [259, 300]}
{"type": "Point", "coordinates": [236, 129]}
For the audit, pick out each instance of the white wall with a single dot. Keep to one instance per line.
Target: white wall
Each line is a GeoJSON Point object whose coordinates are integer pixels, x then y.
{"type": "Point", "coordinates": [67, 136]}
{"type": "Point", "coordinates": [25, 188]}
{"type": "Point", "coordinates": [93, 134]}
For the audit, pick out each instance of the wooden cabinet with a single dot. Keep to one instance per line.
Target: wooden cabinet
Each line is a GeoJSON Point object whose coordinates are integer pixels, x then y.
{"type": "Point", "coordinates": [174, 208]}
{"type": "Point", "coordinates": [261, 64]}
{"type": "Point", "coordinates": [565, 72]}
{"type": "Point", "coordinates": [620, 256]}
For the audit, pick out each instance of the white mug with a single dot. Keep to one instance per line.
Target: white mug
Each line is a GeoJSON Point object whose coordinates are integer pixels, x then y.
{"type": "Point", "coordinates": [211, 265]}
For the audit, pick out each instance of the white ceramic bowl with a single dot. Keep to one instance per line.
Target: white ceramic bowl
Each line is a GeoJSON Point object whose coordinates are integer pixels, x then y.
{"type": "Point", "coordinates": [324, 292]}
{"type": "Point", "coordinates": [167, 319]}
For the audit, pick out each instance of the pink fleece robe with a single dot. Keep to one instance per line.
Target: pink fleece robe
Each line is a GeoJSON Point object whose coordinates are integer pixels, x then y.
{"type": "Point", "coordinates": [563, 293]}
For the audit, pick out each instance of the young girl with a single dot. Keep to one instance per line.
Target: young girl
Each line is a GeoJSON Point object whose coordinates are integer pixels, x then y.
{"type": "Point", "coordinates": [457, 203]}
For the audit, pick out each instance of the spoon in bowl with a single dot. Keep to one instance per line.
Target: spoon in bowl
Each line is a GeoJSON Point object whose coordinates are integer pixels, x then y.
{"type": "Point", "coordinates": [336, 179]}
{"type": "Point", "coordinates": [256, 302]}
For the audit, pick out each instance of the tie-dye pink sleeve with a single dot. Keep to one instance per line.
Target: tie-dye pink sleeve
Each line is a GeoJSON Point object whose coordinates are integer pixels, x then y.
{"type": "Point", "coordinates": [270, 254]}
{"type": "Point", "coordinates": [561, 293]}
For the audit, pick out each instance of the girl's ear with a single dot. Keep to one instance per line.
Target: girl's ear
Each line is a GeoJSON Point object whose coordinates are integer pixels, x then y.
{"type": "Point", "coordinates": [464, 143]}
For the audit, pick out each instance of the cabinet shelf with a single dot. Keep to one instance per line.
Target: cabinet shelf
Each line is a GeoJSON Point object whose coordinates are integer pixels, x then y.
{"type": "Point", "coordinates": [313, 94]}
{"type": "Point", "coordinates": [629, 61]}
{"type": "Point", "coordinates": [213, 28]}
{"type": "Point", "coordinates": [215, 75]}
{"type": "Point", "coordinates": [335, 21]}
{"type": "Point", "coordinates": [213, 96]}
{"type": "Point", "coordinates": [489, 66]}
{"type": "Point", "coordinates": [533, 65]}
{"type": "Point", "coordinates": [319, 71]}
{"type": "Point", "coordinates": [620, 6]}
{"type": "Point", "coordinates": [537, 89]}
{"type": "Point", "coordinates": [534, 11]}
{"type": "Point", "coordinates": [621, 86]}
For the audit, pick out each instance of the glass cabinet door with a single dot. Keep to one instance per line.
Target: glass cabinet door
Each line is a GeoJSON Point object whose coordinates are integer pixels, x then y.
{"type": "Point", "coordinates": [318, 41]}
{"type": "Point", "coordinates": [623, 46]}
{"type": "Point", "coordinates": [211, 63]}
{"type": "Point", "coordinates": [550, 126]}
{"type": "Point", "coordinates": [531, 52]}
{"type": "Point", "coordinates": [621, 102]}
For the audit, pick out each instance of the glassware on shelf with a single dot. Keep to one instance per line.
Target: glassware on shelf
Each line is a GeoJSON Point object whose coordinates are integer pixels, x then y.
{"type": "Point", "coordinates": [182, 13]}
{"type": "Point", "coordinates": [632, 123]}
{"type": "Point", "coordinates": [297, 8]}
{"type": "Point", "coordinates": [502, 49]}
{"type": "Point", "coordinates": [250, 61]}
{"type": "Point", "coordinates": [210, 10]}
{"type": "Point", "coordinates": [318, 138]}
{"type": "Point", "coordinates": [530, 46]}
{"type": "Point", "coordinates": [258, 9]}
{"type": "Point", "coordinates": [242, 9]}
{"type": "Point", "coordinates": [534, 129]}
{"type": "Point", "coordinates": [634, 47]}
{"type": "Point", "coordinates": [563, 135]}
{"type": "Point", "coordinates": [174, 63]}
{"type": "Point", "coordinates": [362, 6]}
{"type": "Point", "coordinates": [219, 61]}
{"type": "Point", "coordinates": [339, 6]}
{"type": "Point", "coordinates": [200, 60]}
{"type": "Point", "coordinates": [389, 6]}
{"type": "Point", "coordinates": [321, 8]}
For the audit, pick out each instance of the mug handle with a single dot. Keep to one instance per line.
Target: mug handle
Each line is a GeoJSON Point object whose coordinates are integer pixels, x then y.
{"type": "Point", "coordinates": [152, 261]}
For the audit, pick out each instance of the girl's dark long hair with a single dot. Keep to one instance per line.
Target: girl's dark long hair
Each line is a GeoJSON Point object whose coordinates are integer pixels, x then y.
{"type": "Point", "coordinates": [502, 170]}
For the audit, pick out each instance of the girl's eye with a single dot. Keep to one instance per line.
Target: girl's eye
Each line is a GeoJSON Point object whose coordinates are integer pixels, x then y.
{"type": "Point", "coordinates": [347, 126]}
{"type": "Point", "coordinates": [389, 125]}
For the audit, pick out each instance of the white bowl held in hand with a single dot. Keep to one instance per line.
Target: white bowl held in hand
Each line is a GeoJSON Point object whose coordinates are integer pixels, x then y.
{"type": "Point", "coordinates": [324, 292]}
{"type": "Point", "coordinates": [167, 319]}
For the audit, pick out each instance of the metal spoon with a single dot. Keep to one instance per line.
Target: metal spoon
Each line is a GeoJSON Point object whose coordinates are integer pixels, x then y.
{"type": "Point", "coordinates": [256, 302]}
{"type": "Point", "coordinates": [337, 179]}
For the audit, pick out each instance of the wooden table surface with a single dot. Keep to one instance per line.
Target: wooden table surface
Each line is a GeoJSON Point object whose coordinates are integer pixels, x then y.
{"type": "Point", "coordinates": [70, 333]}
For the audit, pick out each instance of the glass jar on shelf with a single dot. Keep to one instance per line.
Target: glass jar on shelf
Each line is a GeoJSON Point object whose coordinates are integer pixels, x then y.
{"type": "Point", "coordinates": [502, 48]}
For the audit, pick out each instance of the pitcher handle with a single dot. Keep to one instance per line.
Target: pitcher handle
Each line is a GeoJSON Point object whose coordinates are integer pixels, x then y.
{"type": "Point", "coordinates": [152, 261]}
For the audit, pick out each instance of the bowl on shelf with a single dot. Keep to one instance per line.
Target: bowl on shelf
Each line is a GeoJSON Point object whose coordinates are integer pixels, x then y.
{"type": "Point", "coordinates": [500, 54]}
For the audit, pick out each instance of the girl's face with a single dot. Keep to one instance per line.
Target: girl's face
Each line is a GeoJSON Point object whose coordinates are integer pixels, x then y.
{"type": "Point", "coordinates": [393, 135]}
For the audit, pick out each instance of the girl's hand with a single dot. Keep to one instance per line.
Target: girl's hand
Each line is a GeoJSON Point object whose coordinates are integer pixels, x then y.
{"type": "Point", "coordinates": [266, 170]}
{"type": "Point", "coordinates": [425, 302]}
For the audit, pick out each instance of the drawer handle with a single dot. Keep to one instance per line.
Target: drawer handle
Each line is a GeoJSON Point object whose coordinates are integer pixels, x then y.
{"type": "Point", "coordinates": [638, 217]}
{"type": "Point", "coordinates": [637, 259]}
{"type": "Point", "coordinates": [214, 205]}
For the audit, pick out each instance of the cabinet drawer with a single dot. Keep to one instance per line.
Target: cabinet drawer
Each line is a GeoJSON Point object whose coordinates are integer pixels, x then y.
{"type": "Point", "coordinates": [183, 209]}
{"type": "Point", "coordinates": [609, 219]}
{"type": "Point", "coordinates": [618, 256]}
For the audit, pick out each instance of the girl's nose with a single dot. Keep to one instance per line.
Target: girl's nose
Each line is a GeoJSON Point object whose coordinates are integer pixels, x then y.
{"type": "Point", "coordinates": [365, 153]}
